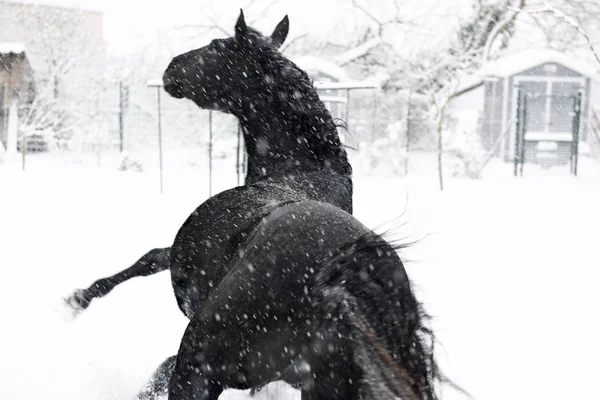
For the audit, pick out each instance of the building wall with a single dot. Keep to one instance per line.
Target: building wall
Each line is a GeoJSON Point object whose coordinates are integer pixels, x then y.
{"type": "Point", "coordinates": [19, 23]}
{"type": "Point", "coordinates": [492, 113]}
{"type": "Point", "coordinates": [16, 83]}
{"type": "Point", "coordinates": [57, 36]}
{"type": "Point", "coordinates": [67, 50]}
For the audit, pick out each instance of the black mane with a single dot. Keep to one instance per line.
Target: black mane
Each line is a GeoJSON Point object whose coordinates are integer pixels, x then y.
{"type": "Point", "coordinates": [286, 100]}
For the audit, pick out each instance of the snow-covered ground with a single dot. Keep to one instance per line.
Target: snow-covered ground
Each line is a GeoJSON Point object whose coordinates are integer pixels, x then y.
{"type": "Point", "coordinates": [509, 272]}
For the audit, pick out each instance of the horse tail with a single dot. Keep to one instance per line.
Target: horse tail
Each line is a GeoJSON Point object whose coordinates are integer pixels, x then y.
{"type": "Point", "coordinates": [365, 292]}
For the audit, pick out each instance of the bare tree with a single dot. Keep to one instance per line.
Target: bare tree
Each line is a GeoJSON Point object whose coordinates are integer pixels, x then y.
{"type": "Point", "coordinates": [565, 25]}
{"type": "Point", "coordinates": [68, 64]}
{"type": "Point", "coordinates": [433, 73]}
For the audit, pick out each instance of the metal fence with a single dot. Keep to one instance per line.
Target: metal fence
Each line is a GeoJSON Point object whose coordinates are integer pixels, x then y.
{"type": "Point", "coordinates": [127, 119]}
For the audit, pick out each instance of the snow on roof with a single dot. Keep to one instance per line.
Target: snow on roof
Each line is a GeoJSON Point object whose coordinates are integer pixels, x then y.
{"type": "Point", "coordinates": [154, 82]}
{"type": "Point", "coordinates": [15, 47]}
{"type": "Point", "coordinates": [365, 84]}
{"type": "Point", "coordinates": [316, 64]}
{"type": "Point", "coordinates": [90, 6]}
{"type": "Point", "coordinates": [522, 61]}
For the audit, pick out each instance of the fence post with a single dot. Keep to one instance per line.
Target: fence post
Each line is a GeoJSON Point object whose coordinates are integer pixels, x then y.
{"type": "Point", "coordinates": [523, 129]}
{"type": "Point", "coordinates": [517, 133]}
{"type": "Point", "coordinates": [575, 143]}
{"type": "Point", "coordinates": [408, 110]}
{"type": "Point", "coordinates": [347, 116]}
{"type": "Point", "coordinates": [120, 117]}
{"type": "Point", "coordinates": [238, 166]}
{"type": "Point", "coordinates": [210, 143]}
{"type": "Point", "coordinates": [123, 105]}
{"type": "Point", "coordinates": [160, 155]}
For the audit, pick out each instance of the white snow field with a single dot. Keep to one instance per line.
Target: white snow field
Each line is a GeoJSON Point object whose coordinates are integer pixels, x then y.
{"type": "Point", "coordinates": [510, 273]}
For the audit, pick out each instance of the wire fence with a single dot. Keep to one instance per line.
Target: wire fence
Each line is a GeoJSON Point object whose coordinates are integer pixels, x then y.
{"type": "Point", "coordinates": [106, 127]}
{"type": "Point", "coordinates": [121, 130]}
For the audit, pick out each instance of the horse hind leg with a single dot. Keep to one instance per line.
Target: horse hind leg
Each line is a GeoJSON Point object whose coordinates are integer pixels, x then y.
{"type": "Point", "coordinates": [154, 261]}
{"type": "Point", "coordinates": [196, 372]}
{"type": "Point", "coordinates": [334, 376]}
{"type": "Point", "coordinates": [158, 384]}
{"type": "Point", "coordinates": [219, 354]}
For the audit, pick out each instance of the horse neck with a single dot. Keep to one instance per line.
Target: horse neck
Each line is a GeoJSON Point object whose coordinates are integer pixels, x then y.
{"type": "Point", "coordinates": [284, 138]}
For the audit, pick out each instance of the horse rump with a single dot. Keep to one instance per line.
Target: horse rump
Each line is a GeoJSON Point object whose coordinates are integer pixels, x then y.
{"type": "Point", "coordinates": [365, 294]}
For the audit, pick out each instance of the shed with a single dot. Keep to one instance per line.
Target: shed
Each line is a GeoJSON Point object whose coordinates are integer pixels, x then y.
{"type": "Point", "coordinates": [542, 93]}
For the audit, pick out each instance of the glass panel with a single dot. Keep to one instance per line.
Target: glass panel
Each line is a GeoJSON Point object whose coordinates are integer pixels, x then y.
{"type": "Point", "coordinates": [562, 106]}
{"type": "Point", "coordinates": [536, 106]}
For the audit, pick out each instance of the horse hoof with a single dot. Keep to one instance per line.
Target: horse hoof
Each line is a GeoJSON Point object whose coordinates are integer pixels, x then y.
{"type": "Point", "coordinates": [76, 303]}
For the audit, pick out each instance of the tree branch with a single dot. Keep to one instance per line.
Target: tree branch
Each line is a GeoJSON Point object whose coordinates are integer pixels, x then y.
{"type": "Point", "coordinates": [571, 21]}
{"type": "Point", "coordinates": [499, 28]}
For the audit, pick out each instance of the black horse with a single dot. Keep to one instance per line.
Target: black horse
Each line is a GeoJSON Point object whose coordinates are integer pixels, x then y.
{"type": "Point", "coordinates": [278, 279]}
{"type": "Point", "coordinates": [295, 288]}
{"type": "Point", "coordinates": [313, 297]}
{"type": "Point", "coordinates": [294, 154]}
{"type": "Point", "coordinates": [291, 141]}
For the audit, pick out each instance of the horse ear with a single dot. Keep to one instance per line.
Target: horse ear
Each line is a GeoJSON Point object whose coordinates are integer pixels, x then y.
{"type": "Point", "coordinates": [240, 26]}
{"type": "Point", "coordinates": [281, 31]}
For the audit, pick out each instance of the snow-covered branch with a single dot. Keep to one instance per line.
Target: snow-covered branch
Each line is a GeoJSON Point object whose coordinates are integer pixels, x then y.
{"type": "Point", "coordinates": [358, 51]}
{"type": "Point", "coordinates": [575, 25]}
{"type": "Point", "coordinates": [570, 20]}
{"type": "Point", "coordinates": [501, 26]}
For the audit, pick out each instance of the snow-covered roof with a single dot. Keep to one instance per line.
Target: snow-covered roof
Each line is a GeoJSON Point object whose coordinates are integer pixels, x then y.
{"type": "Point", "coordinates": [518, 62]}
{"type": "Point", "coordinates": [316, 64]}
{"type": "Point", "coordinates": [154, 82]}
{"type": "Point", "coordinates": [522, 61]}
{"type": "Point", "coordinates": [14, 47]}
{"type": "Point", "coordinates": [365, 84]}
{"type": "Point", "coordinates": [90, 5]}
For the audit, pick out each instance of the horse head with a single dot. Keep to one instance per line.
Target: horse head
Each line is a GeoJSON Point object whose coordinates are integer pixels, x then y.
{"type": "Point", "coordinates": [223, 74]}
{"type": "Point", "coordinates": [287, 129]}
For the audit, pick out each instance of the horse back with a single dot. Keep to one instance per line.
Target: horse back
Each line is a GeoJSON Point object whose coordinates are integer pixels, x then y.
{"type": "Point", "coordinates": [280, 259]}
{"type": "Point", "coordinates": [265, 300]}
{"type": "Point", "coordinates": [210, 237]}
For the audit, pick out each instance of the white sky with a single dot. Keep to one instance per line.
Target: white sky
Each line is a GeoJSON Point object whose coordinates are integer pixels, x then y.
{"type": "Point", "coordinates": [129, 21]}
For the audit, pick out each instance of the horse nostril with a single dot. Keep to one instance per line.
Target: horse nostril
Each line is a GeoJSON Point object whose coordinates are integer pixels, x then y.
{"type": "Point", "coordinates": [172, 84]}
{"type": "Point", "coordinates": [168, 79]}
{"type": "Point", "coordinates": [171, 73]}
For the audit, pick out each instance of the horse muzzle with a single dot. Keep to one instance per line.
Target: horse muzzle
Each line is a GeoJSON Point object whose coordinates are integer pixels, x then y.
{"type": "Point", "coordinates": [173, 85]}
